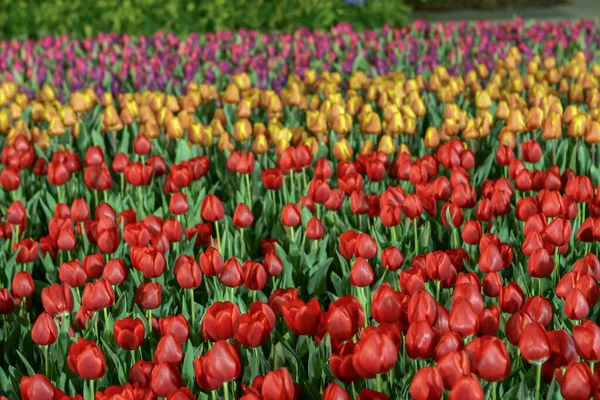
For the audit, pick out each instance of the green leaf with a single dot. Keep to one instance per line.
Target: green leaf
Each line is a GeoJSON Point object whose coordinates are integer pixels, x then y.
{"type": "Point", "coordinates": [317, 281]}
{"type": "Point", "coordinates": [30, 370]}
{"type": "Point", "coordinates": [183, 151]}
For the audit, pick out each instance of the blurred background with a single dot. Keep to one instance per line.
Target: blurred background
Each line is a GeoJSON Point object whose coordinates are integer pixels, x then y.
{"type": "Point", "coordinates": [84, 18]}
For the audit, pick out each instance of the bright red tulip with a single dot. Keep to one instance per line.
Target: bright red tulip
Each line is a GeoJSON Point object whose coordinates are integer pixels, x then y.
{"type": "Point", "coordinates": [129, 333]}
{"type": "Point", "coordinates": [86, 359]}
{"type": "Point", "coordinates": [427, 384]}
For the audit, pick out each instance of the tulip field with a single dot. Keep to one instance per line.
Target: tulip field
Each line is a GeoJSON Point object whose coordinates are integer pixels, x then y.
{"type": "Point", "coordinates": [406, 213]}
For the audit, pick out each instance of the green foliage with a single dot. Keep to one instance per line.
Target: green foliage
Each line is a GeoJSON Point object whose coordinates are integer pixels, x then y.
{"type": "Point", "coordinates": [84, 18]}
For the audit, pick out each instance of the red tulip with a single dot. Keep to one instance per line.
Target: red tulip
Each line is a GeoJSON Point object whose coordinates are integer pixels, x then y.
{"type": "Point", "coordinates": [22, 284]}
{"type": "Point", "coordinates": [115, 271]}
{"type": "Point", "coordinates": [511, 298]}
{"type": "Point", "coordinates": [361, 273]}
{"type": "Point", "coordinates": [388, 304]}
{"type": "Point", "coordinates": [272, 178]}
{"type": "Point", "coordinates": [212, 208]}
{"type": "Point", "coordinates": [489, 321]}
{"type": "Point", "coordinates": [587, 340]}
{"type": "Point", "coordinates": [374, 354]}
{"type": "Point", "coordinates": [347, 244]}
{"type": "Point", "coordinates": [412, 280]}
{"type": "Point", "coordinates": [27, 250]}
{"type": "Point", "coordinates": [463, 318]}
{"type": "Point", "coordinates": [534, 343]}
{"type": "Point", "coordinates": [489, 358]}
{"type": "Point", "coordinates": [335, 392]}
{"type": "Point", "coordinates": [211, 262]}
{"type": "Point", "coordinates": [36, 387]}
{"type": "Point", "coordinates": [280, 297]}
{"type": "Point", "coordinates": [344, 317]}
{"type": "Point", "coordinates": [577, 382]}
{"type": "Point", "coordinates": [254, 329]}
{"type": "Point", "coordinates": [278, 385]}
{"type": "Point", "coordinates": [221, 321]}
{"type": "Point", "coordinates": [98, 295]}
{"type": "Point", "coordinates": [492, 284]}
{"type": "Point", "coordinates": [539, 309]}
{"type": "Point", "coordinates": [392, 258]}
{"type": "Point", "coordinates": [168, 350]}
{"type": "Point", "coordinates": [148, 295]}
{"type": "Point", "coordinates": [57, 300]}
{"type": "Point", "coordinates": [422, 306]}
{"type": "Point", "coordinates": [368, 394]}
{"type": "Point", "coordinates": [576, 306]}
{"type": "Point", "coordinates": [420, 340]}
{"type": "Point", "coordinates": [255, 275]}
{"type": "Point", "coordinates": [467, 387]}
{"type": "Point", "coordinates": [315, 229]}
{"type": "Point", "coordinates": [302, 318]}
{"type": "Point", "coordinates": [129, 333]}
{"type": "Point", "coordinates": [86, 359]}
{"type": "Point", "coordinates": [449, 342]}
{"type": "Point", "coordinates": [44, 331]}
{"type": "Point", "coordinates": [187, 272]}
{"type": "Point", "coordinates": [452, 367]}
{"type": "Point", "coordinates": [165, 379]}
{"type": "Point", "coordinates": [175, 325]}
{"type": "Point", "coordinates": [532, 151]}
{"type": "Point", "coordinates": [242, 216]}
{"type": "Point", "coordinates": [290, 215]}
{"type": "Point", "coordinates": [366, 246]}
{"type": "Point", "coordinates": [427, 384]}
{"type": "Point", "coordinates": [319, 190]}
{"type": "Point", "coordinates": [231, 274]}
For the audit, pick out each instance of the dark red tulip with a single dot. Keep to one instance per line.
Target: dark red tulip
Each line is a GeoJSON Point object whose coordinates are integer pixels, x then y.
{"type": "Point", "coordinates": [341, 363]}
{"type": "Point", "coordinates": [82, 317]}
{"type": "Point", "coordinates": [280, 297]}
{"type": "Point", "coordinates": [255, 275]}
{"type": "Point", "coordinates": [392, 258]}
{"type": "Point", "coordinates": [273, 264]}
{"type": "Point", "coordinates": [412, 206]}
{"type": "Point", "coordinates": [93, 265]}
{"type": "Point", "coordinates": [242, 216]}
{"type": "Point", "coordinates": [361, 273]}
{"type": "Point", "coordinates": [347, 244]}
{"type": "Point", "coordinates": [278, 385]}
{"type": "Point", "coordinates": [140, 373]}
{"type": "Point", "coordinates": [489, 358]}
{"type": "Point", "coordinates": [587, 340]}
{"type": "Point", "coordinates": [420, 340]}
{"type": "Point", "coordinates": [129, 333]}
{"type": "Point", "coordinates": [366, 246]}
{"type": "Point", "coordinates": [515, 326]}
{"type": "Point", "coordinates": [492, 284]}
{"type": "Point", "coordinates": [534, 343]}
{"type": "Point", "coordinates": [290, 215]}
{"type": "Point", "coordinates": [22, 284]}
{"type": "Point", "coordinates": [490, 259]}
{"type": "Point", "coordinates": [27, 250]}
{"type": "Point", "coordinates": [374, 354]}
{"type": "Point", "coordinates": [532, 151]}
{"type": "Point", "coordinates": [221, 321]}
{"type": "Point", "coordinates": [16, 214]}
{"type": "Point", "coordinates": [178, 204]}
{"type": "Point", "coordinates": [148, 295]}
{"type": "Point", "coordinates": [319, 191]}
{"type": "Point", "coordinates": [231, 274]}
{"type": "Point", "coordinates": [463, 318]}
{"type": "Point", "coordinates": [412, 280]}
{"type": "Point", "coordinates": [344, 317]}
{"type": "Point", "coordinates": [57, 300]}
{"type": "Point", "coordinates": [175, 325]}
{"type": "Point", "coordinates": [335, 392]}
{"type": "Point", "coordinates": [449, 342]}
{"type": "Point", "coordinates": [489, 321]}
{"type": "Point", "coordinates": [577, 382]}
{"type": "Point", "coordinates": [511, 298]}
{"type": "Point", "coordinates": [576, 306]}
{"type": "Point", "coordinates": [187, 272]}
{"type": "Point", "coordinates": [272, 178]}
{"type": "Point", "coordinates": [539, 309]}
{"type": "Point", "coordinates": [467, 387]}
{"type": "Point", "coordinates": [315, 229]}
{"type": "Point", "coordinates": [452, 215]}
{"type": "Point", "coordinates": [438, 265]}
{"type": "Point", "coordinates": [254, 329]}
{"type": "Point", "coordinates": [115, 271]}
{"type": "Point", "coordinates": [44, 331]}
{"type": "Point", "coordinates": [86, 359]}
{"type": "Point", "coordinates": [211, 262]}
{"type": "Point", "coordinates": [165, 379]}
{"type": "Point", "coordinates": [36, 387]}
{"type": "Point", "coordinates": [387, 304]}
{"type": "Point", "coordinates": [212, 208]}
{"type": "Point", "coordinates": [168, 350]}
{"type": "Point", "coordinates": [368, 394]}
{"type": "Point", "coordinates": [452, 367]}
{"type": "Point", "coordinates": [471, 232]}
{"type": "Point", "coordinates": [422, 306]}
{"type": "Point", "coordinates": [98, 295]}
{"type": "Point", "coordinates": [302, 318]}
{"type": "Point", "coordinates": [504, 155]}
{"type": "Point", "coordinates": [427, 384]}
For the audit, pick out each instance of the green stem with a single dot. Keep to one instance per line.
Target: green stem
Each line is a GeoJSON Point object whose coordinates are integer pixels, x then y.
{"type": "Point", "coordinates": [242, 245]}
{"type": "Point", "coordinates": [249, 188]}
{"type": "Point", "coordinates": [192, 308]}
{"type": "Point", "coordinates": [218, 236]}
{"type": "Point", "coordinates": [92, 391]}
{"type": "Point", "coordinates": [538, 381]}
{"type": "Point", "coordinates": [437, 291]}
{"type": "Point", "coordinates": [46, 363]}
{"type": "Point", "coordinates": [494, 390]}
{"type": "Point", "coordinates": [226, 391]}
{"type": "Point", "coordinates": [379, 383]}
{"type": "Point", "coordinates": [416, 236]}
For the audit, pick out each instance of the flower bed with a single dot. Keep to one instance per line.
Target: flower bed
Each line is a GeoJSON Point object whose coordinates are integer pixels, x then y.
{"type": "Point", "coordinates": [389, 214]}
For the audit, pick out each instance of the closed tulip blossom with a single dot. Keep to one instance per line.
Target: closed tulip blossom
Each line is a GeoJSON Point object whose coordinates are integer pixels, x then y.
{"type": "Point", "coordinates": [86, 359]}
